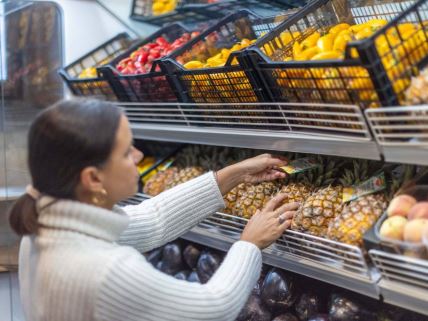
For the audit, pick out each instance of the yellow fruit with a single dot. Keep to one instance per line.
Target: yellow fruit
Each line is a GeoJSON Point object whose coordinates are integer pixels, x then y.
{"type": "Point", "coordinates": [158, 7]}
{"type": "Point", "coordinates": [286, 37]}
{"type": "Point", "coordinates": [327, 55]}
{"type": "Point", "coordinates": [356, 218]}
{"type": "Point", "coordinates": [194, 64]}
{"type": "Point", "coordinates": [393, 227]}
{"type": "Point", "coordinates": [310, 41]}
{"type": "Point", "coordinates": [357, 28]}
{"type": "Point", "coordinates": [90, 72]}
{"type": "Point", "coordinates": [376, 23]}
{"type": "Point", "coordinates": [364, 33]}
{"type": "Point", "coordinates": [308, 53]}
{"type": "Point", "coordinates": [338, 28]}
{"type": "Point", "coordinates": [342, 40]}
{"type": "Point", "coordinates": [325, 43]}
{"type": "Point", "coordinates": [297, 49]}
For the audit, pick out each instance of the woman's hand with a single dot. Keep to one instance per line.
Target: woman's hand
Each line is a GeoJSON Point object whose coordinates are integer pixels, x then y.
{"type": "Point", "coordinates": [261, 168]}
{"type": "Point", "coordinates": [267, 225]}
{"type": "Point", "coordinates": [252, 170]}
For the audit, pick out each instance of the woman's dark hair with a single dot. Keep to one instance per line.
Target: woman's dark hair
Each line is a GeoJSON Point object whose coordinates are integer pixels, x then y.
{"type": "Point", "coordinates": [63, 140]}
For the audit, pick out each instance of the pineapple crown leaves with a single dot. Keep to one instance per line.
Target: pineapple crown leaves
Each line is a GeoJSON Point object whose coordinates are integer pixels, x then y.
{"type": "Point", "coordinates": [398, 178]}
{"type": "Point", "coordinates": [324, 174]}
{"type": "Point", "coordinates": [359, 171]}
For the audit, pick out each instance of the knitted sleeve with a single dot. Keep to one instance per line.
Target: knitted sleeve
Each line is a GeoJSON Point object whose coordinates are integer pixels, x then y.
{"type": "Point", "coordinates": [132, 289]}
{"type": "Point", "coordinates": [167, 216]}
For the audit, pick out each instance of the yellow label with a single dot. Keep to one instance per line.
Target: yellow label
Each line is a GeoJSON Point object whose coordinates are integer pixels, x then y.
{"type": "Point", "coordinates": [300, 165]}
{"type": "Point", "coordinates": [373, 185]}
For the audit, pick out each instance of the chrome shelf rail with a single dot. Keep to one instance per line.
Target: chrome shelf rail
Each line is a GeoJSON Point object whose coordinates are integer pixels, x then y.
{"type": "Point", "coordinates": [401, 133]}
{"type": "Point", "coordinates": [339, 130]}
{"type": "Point", "coordinates": [404, 280]}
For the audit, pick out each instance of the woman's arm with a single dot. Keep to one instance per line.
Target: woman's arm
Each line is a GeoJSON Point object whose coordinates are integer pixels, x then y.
{"type": "Point", "coordinates": [132, 289]}
{"type": "Point", "coordinates": [165, 217]}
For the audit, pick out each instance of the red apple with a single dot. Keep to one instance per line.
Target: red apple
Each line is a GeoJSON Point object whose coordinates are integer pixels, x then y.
{"type": "Point", "coordinates": [420, 210]}
{"type": "Point", "coordinates": [401, 205]}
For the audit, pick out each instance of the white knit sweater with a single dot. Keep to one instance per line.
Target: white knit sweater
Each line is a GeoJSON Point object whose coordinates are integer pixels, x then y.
{"type": "Point", "coordinates": [74, 269]}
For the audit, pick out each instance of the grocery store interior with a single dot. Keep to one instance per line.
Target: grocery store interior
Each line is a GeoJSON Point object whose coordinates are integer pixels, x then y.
{"type": "Point", "coordinates": [337, 87]}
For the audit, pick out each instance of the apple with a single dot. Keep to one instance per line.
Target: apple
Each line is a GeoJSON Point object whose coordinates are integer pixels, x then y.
{"type": "Point", "coordinates": [414, 229]}
{"type": "Point", "coordinates": [420, 210]}
{"type": "Point", "coordinates": [393, 227]}
{"type": "Point", "coordinates": [401, 205]}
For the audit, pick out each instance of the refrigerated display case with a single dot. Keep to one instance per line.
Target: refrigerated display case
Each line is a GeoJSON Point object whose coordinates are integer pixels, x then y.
{"type": "Point", "coordinates": [31, 51]}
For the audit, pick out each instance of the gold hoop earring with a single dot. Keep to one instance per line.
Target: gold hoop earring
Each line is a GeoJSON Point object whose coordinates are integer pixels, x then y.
{"type": "Point", "coordinates": [100, 198]}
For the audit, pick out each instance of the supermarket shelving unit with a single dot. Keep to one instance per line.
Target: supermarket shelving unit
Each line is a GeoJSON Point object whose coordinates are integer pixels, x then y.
{"type": "Point", "coordinates": [375, 134]}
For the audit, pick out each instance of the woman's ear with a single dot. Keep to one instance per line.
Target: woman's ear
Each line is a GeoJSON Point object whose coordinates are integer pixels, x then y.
{"type": "Point", "coordinates": [91, 179]}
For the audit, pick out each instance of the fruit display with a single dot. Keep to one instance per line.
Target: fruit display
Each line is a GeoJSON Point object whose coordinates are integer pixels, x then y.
{"type": "Point", "coordinates": [278, 290]}
{"type": "Point", "coordinates": [219, 59]}
{"type": "Point", "coordinates": [346, 58]}
{"type": "Point", "coordinates": [417, 92]}
{"type": "Point", "coordinates": [323, 191]}
{"type": "Point", "coordinates": [278, 295]}
{"type": "Point", "coordinates": [254, 198]}
{"type": "Point", "coordinates": [189, 163]}
{"type": "Point", "coordinates": [157, 183]}
{"type": "Point", "coordinates": [406, 222]}
{"type": "Point", "coordinates": [185, 261]}
{"type": "Point", "coordinates": [160, 7]}
{"type": "Point", "coordinates": [140, 61]}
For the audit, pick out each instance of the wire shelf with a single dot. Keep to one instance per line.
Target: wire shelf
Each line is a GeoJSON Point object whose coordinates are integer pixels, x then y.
{"type": "Point", "coordinates": [402, 132]}
{"type": "Point", "coordinates": [341, 121]}
{"type": "Point", "coordinates": [338, 256]}
{"type": "Point", "coordinates": [402, 269]}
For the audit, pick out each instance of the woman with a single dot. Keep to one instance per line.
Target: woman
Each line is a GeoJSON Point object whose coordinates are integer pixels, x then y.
{"type": "Point", "coordinates": [80, 258]}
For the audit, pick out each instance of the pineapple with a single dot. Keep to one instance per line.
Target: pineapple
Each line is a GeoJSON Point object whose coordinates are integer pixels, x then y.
{"type": "Point", "coordinates": [255, 197]}
{"type": "Point", "coordinates": [356, 218]}
{"type": "Point", "coordinates": [157, 183]}
{"type": "Point", "coordinates": [296, 192]}
{"type": "Point", "coordinates": [321, 207]}
{"type": "Point", "coordinates": [359, 215]}
{"type": "Point", "coordinates": [184, 175]}
{"type": "Point", "coordinates": [233, 196]}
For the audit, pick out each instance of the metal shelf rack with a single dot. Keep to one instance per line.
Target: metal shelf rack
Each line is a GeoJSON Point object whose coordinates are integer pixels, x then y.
{"type": "Point", "coordinates": [396, 134]}
{"type": "Point", "coordinates": [339, 130]}
{"type": "Point", "coordinates": [336, 263]}
{"type": "Point", "coordinates": [404, 280]}
{"type": "Point", "coordinates": [401, 133]}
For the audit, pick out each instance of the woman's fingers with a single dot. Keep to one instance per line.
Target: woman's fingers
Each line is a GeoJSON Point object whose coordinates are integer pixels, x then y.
{"type": "Point", "coordinates": [285, 225]}
{"type": "Point", "coordinates": [287, 207]}
{"type": "Point", "coordinates": [275, 202]}
{"type": "Point", "coordinates": [286, 216]}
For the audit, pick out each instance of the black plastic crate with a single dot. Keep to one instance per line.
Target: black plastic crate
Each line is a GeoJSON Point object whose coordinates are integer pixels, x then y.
{"type": "Point", "coordinates": [231, 83]}
{"type": "Point", "coordinates": [191, 12]}
{"type": "Point", "coordinates": [373, 72]}
{"type": "Point", "coordinates": [154, 86]}
{"type": "Point", "coordinates": [98, 85]}
{"type": "Point", "coordinates": [263, 8]}
{"type": "Point", "coordinates": [141, 10]}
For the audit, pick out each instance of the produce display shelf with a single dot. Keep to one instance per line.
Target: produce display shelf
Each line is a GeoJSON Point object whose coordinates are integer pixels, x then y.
{"type": "Point", "coordinates": [404, 280]}
{"type": "Point", "coordinates": [269, 126]}
{"type": "Point", "coordinates": [318, 258]}
{"type": "Point", "coordinates": [401, 133]}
